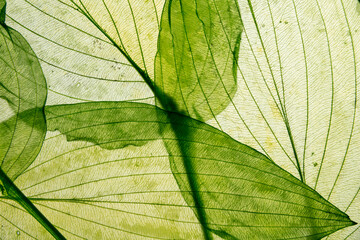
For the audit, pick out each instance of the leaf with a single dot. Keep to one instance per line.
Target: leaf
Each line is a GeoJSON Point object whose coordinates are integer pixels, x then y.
{"type": "Point", "coordinates": [102, 123]}
{"type": "Point", "coordinates": [298, 93]}
{"type": "Point", "coordinates": [134, 31]}
{"type": "Point", "coordinates": [81, 64]}
{"type": "Point", "coordinates": [198, 48]}
{"type": "Point", "coordinates": [2, 11]}
{"type": "Point", "coordinates": [95, 189]}
{"type": "Point", "coordinates": [93, 192]}
{"type": "Point", "coordinates": [21, 139]}
{"type": "Point", "coordinates": [243, 193]}
{"type": "Point", "coordinates": [308, 49]}
{"type": "Point", "coordinates": [23, 87]}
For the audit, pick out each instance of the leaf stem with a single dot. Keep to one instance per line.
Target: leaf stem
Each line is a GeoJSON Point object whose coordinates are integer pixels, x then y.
{"type": "Point", "coordinates": [14, 193]}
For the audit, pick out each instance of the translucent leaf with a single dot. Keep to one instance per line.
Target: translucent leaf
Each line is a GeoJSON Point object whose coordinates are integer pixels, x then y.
{"type": "Point", "coordinates": [21, 140]}
{"type": "Point", "coordinates": [89, 191]}
{"type": "Point", "coordinates": [80, 64]}
{"type": "Point", "coordinates": [135, 30]}
{"type": "Point", "coordinates": [298, 93]}
{"type": "Point", "coordinates": [103, 123]}
{"type": "Point", "coordinates": [297, 98]}
{"type": "Point", "coordinates": [23, 90]}
{"type": "Point", "coordinates": [198, 48]}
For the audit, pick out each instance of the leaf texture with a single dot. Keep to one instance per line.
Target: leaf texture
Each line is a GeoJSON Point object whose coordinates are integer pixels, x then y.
{"type": "Point", "coordinates": [244, 194]}
{"type": "Point", "coordinates": [80, 64]}
{"type": "Point", "coordinates": [23, 90]}
{"type": "Point", "coordinates": [298, 94]}
{"type": "Point", "coordinates": [296, 99]}
{"type": "Point", "coordinates": [134, 31]}
{"type": "Point", "coordinates": [198, 47]}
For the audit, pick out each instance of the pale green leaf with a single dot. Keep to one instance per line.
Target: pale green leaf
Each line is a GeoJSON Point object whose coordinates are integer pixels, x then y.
{"type": "Point", "coordinates": [297, 74]}
{"type": "Point", "coordinates": [299, 66]}
{"type": "Point", "coordinates": [80, 64]}
{"type": "Point", "coordinates": [89, 191]}
{"type": "Point", "coordinates": [131, 25]}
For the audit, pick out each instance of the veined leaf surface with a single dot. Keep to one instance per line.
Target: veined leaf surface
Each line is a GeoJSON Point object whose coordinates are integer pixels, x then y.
{"type": "Point", "coordinates": [22, 99]}
{"type": "Point", "coordinates": [90, 191]}
{"type": "Point", "coordinates": [298, 93]}
{"type": "Point", "coordinates": [131, 25]}
{"type": "Point", "coordinates": [297, 74]}
{"type": "Point", "coordinates": [80, 63]}
{"type": "Point", "coordinates": [197, 54]}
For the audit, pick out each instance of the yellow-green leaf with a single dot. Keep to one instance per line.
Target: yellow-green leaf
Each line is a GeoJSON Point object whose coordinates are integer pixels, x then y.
{"type": "Point", "coordinates": [97, 191]}
{"type": "Point", "coordinates": [80, 64]}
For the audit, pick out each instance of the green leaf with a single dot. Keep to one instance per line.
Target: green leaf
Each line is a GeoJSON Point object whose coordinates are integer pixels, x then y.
{"type": "Point", "coordinates": [103, 123]}
{"type": "Point", "coordinates": [2, 11]}
{"type": "Point", "coordinates": [80, 63]}
{"type": "Point", "coordinates": [23, 92]}
{"type": "Point", "coordinates": [296, 57]}
{"type": "Point", "coordinates": [198, 49]}
{"type": "Point", "coordinates": [244, 194]}
{"type": "Point", "coordinates": [21, 139]}
{"type": "Point", "coordinates": [23, 87]}
{"type": "Point", "coordinates": [89, 191]}
{"type": "Point", "coordinates": [298, 94]}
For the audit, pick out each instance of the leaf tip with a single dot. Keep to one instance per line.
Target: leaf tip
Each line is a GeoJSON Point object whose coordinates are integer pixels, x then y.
{"type": "Point", "coordinates": [349, 221]}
